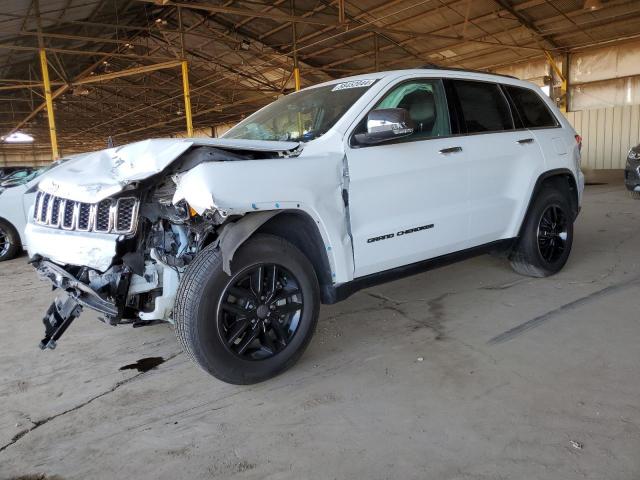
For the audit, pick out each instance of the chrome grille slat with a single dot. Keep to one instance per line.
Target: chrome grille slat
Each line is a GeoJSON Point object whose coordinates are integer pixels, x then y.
{"type": "Point", "coordinates": [107, 216]}
{"type": "Point", "coordinates": [125, 213]}
{"type": "Point", "coordinates": [44, 207]}
{"type": "Point", "coordinates": [67, 215]}
{"type": "Point", "coordinates": [103, 221]}
{"type": "Point", "coordinates": [36, 205]}
{"type": "Point", "coordinates": [54, 218]}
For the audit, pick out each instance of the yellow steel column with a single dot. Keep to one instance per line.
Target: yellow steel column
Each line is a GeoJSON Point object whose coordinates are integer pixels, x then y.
{"type": "Point", "coordinates": [49, 104]}
{"type": "Point", "coordinates": [187, 98]}
{"type": "Point", "coordinates": [296, 67]}
{"type": "Point", "coordinates": [563, 81]}
{"type": "Point", "coordinates": [296, 77]}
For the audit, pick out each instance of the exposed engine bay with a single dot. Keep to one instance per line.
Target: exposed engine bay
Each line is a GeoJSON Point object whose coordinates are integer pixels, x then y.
{"type": "Point", "coordinates": [153, 237]}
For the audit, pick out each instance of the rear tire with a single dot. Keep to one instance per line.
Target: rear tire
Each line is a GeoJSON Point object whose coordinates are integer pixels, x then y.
{"type": "Point", "coordinates": [256, 323]}
{"type": "Point", "coordinates": [547, 235]}
{"type": "Point", "coordinates": [635, 195]}
{"type": "Point", "coordinates": [9, 241]}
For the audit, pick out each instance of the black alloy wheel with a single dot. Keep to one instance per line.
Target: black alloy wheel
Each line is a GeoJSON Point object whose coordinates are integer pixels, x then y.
{"type": "Point", "coordinates": [552, 233]}
{"type": "Point", "coordinates": [254, 324]}
{"type": "Point", "coordinates": [546, 236]}
{"type": "Point", "coordinates": [259, 312]}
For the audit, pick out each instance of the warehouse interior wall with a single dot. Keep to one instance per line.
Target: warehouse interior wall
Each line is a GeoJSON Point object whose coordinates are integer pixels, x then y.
{"type": "Point", "coordinates": [597, 78]}
{"type": "Point", "coordinates": [603, 102]}
{"type": "Point", "coordinates": [608, 134]}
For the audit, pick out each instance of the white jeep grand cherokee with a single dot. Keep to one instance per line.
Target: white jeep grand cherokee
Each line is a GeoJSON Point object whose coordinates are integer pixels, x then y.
{"type": "Point", "coordinates": [334, 188]}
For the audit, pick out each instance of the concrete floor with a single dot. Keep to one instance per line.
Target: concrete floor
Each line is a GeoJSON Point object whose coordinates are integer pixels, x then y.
{"type": "Point", "coordinates": [427, 377]}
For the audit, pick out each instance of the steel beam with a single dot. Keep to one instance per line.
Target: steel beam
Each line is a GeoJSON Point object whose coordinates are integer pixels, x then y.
{"type": "Point", "coordinates": [244, 12]}
{"type": "Point", "coordinates": [127, 72]}
{"type": "Point", "coordinates": [563, 81]}
{"type": "Point", "coordinates": [49, 104]}
{"type": "Point", "coordinates": [54, 95]}
{"type": "Point", "coordinates": [187, 98]}
{"type": "Point", "coordinates": [90, 53]}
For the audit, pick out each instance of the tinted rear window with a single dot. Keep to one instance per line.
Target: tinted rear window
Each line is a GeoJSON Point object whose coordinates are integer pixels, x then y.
{"type": "Point", "coordinates": [532, 110]}
{"type": "Point", "coordinates": [484, 107]}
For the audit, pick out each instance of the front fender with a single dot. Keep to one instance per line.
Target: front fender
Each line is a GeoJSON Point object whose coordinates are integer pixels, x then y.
{"type": "Point", "coordinates": [312, 185]}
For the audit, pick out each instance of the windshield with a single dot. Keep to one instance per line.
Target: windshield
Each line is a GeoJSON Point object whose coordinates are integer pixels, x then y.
{"type": "Point", "coordinates": [301, 116]}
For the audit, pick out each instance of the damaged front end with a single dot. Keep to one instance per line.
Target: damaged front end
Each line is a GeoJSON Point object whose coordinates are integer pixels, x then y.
{"type": "Point", "coordinates": [120, 245]}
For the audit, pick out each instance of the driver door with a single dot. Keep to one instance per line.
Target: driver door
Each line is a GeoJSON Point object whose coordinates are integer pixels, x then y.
{"type": "Point", "coordinates": [408, 198]}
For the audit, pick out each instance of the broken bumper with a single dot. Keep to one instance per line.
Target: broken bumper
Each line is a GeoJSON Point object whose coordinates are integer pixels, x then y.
{"type": "Point", "coordinates": [68, 306]}
{"type": "Point", "coordinates": [82, 293]}
{"type": "Point", "coordinates": [90, 249]}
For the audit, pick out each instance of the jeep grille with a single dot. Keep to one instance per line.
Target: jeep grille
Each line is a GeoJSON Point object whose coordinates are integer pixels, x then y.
{"type": "Point", "coordinates": [113, 215]}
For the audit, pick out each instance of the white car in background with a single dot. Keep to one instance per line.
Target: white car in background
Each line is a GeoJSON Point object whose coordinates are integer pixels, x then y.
{"type": "Point", "coordinates": [15, 202]}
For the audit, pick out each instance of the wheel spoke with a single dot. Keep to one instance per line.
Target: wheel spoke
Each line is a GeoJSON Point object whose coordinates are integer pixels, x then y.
{"type": "Point", "coordinates": [237, 310]}
{"type": "Point", "coordinates": [274, 281]}
{"type": "Point", "coordinates": [278, 329]}
{"type": "Point", "coordinates": [248, 339]}
{"type": "Point", "coordinates": [288, 308]}
{"type": "Point", "coordinates": [258, 281]}
{"type": "Point", "coordinates": [285, 295]}
{"type": "Point", "coordinates": [238, 328]}
{"type": "Point", "coordinates": [268, 342]}
{"type": "Point", "coordinates": [242, 293]}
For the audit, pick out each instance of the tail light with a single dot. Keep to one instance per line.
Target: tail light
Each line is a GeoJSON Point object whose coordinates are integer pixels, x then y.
{"type": "Point", "coordinates": [579, 142]}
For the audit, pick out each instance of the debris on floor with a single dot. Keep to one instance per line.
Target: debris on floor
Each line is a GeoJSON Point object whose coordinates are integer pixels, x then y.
{"type": "Point", "coordinates": [576, 445]}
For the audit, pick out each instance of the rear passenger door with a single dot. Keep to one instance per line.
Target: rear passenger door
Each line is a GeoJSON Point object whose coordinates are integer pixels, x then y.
{"type": "Point", "coordinates": [502, 159]}
{"type": "Point", "coordinates": [533, 113]}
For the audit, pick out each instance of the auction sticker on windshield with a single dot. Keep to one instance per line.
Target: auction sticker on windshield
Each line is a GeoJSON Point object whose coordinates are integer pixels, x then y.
{"type": "Point", "coordinates": [353, 84]}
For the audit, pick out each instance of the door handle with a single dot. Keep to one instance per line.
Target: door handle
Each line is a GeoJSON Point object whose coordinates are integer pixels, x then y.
{"type": "Point", "coordinates": [525, 140]}
{"type": "Point", "coordinates": [445, 151]}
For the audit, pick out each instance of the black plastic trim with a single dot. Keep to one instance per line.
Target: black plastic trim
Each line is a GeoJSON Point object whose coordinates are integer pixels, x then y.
{"type": "Point", "coordinates": [332, 294]}
{"type": "Point", "coordinates": [557, 172]}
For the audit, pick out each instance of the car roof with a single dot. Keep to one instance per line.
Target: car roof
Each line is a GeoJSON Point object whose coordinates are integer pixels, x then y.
{"type": "Point", "coordinates": [433, 71]}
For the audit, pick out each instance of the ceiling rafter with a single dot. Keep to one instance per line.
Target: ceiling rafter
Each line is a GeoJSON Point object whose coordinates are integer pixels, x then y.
{"type": "Point", "coordinates": [240, 53]}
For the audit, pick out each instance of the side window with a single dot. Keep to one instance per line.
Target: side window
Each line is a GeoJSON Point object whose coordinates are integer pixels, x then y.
{"type": "Point", "coordinates": [426, 103]}
{"type": "Point", "coordinates": [533, 112]}
{"type": "Point", "coordinates": [484, 107]}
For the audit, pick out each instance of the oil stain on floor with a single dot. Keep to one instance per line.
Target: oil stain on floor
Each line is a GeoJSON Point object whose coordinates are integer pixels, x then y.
{"type": "Point", "coordinates": [144, 364]}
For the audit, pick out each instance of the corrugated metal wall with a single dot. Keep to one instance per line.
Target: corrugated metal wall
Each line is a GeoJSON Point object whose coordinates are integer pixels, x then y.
{"type": "Point", "coordinates": [608, 134]}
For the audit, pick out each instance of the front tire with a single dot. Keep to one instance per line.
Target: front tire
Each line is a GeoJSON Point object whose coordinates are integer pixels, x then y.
{"type": "Point", "coordinates": [9, 241]}
{"type": "Point", "coordinates": [547, 236]}
{"type": "Point", "coordinates": [256, 323]}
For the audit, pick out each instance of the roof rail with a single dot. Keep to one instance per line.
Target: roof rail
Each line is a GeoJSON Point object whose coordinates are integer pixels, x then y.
{"type": "Point", "coordinates": [433, 66]}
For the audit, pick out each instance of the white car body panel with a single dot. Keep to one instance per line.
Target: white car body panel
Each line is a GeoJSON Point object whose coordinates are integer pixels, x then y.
{"type": "Point", "coordinates": [310, 183]}
{"type": "Point", "coordinates": [15, 203]}
{"type": "Point", "coordinates": [91, 249]}
{"type": "Point", "coordinates": [106, 172]}
{"type": "Point", "coordinates": [402, 186]}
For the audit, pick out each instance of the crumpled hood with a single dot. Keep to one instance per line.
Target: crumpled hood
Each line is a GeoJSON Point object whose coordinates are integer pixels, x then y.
{"type": "Point", "coordinates": [94, 176]}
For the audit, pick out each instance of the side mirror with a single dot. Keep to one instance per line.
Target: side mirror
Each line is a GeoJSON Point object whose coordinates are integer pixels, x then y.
{"type": "Point", "coordinates": [386, 124]}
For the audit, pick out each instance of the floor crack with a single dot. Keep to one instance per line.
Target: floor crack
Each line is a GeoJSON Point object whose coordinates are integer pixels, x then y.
{"type": "Point", "coordinates": [38, 423]}
{"type": "Point", "coordinates": [434, 306]}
